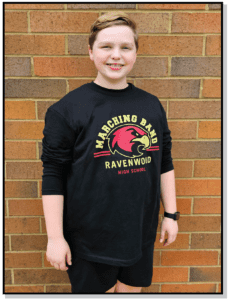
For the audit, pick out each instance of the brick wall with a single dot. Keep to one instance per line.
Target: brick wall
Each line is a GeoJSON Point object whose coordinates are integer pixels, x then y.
{"type": "Point", "coordinates": [179, 61]}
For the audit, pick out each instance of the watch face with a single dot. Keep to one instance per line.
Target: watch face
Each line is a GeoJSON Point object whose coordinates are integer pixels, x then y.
{"type": "Point", "coordinates": [177, 215]}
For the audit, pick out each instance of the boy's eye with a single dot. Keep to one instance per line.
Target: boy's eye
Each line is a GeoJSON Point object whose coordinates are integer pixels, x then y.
{"type": "Point", "coordinates": [109, 46]}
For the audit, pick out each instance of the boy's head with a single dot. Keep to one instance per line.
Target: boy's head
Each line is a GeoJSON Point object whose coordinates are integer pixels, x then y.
{"type": "Point", "coordinates": [113, 40]}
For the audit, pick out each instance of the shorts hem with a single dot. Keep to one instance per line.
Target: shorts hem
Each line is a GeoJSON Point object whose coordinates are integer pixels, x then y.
{"type": "Point", "coordinates": [110, 286]}
{"type": "Point", "coordinates": [110, 261]}
{"type": "Point", "coordinates": [133, 284]}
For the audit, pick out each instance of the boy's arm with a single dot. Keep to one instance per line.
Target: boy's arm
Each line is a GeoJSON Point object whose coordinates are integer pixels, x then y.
{"type": "Point", "coordinates": [168, 197]}
{"type": "Point", "coordinates": [58, 142]}
{"type": "Point", "coordinates": [53, 212]}
{"type": "Point", "coordinates": [168, 193]}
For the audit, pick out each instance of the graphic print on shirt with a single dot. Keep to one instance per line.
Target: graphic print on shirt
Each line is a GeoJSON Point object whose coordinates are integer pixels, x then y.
{"type": "Point", "coordinates": [128, 138]}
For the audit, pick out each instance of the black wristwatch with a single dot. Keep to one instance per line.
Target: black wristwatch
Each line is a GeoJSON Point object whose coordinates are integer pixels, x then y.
{"type": "Point", "coordinates": [174, 216]}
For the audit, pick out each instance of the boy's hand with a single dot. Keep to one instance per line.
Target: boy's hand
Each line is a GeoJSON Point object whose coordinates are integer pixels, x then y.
{"type": "Point", "coordinates": [171, 227]}
{"type": "Point", "coordinates": [57, 252]}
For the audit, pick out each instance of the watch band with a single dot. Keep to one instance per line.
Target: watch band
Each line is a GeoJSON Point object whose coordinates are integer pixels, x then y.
{"type": "Point", "coordinates": [174, 216]}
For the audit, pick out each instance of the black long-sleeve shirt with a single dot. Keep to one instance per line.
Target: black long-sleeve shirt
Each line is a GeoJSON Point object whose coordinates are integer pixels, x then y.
{"type": "Point", "coordinates": [105, 150]}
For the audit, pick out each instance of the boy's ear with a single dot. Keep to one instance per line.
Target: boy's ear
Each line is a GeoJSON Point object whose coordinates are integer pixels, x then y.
{"type": "Point", "coordinates": [135, 56]}
{"type": "Point", "coordinates": [90, 52]}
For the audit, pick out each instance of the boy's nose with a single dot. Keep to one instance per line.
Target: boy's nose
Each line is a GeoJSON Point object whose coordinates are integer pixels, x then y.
{"type": "Point", "coordinates": [115, 53]}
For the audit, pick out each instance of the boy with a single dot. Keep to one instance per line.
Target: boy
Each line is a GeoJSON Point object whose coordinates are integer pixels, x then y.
{"type": "Point", "coordinates": [105, 146]}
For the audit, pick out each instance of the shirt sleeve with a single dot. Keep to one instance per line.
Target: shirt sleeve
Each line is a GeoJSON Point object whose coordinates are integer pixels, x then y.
{"type": "Point", "coordinates": [167, 162]}
{"type": "Point", "coordinates": [57, 150]}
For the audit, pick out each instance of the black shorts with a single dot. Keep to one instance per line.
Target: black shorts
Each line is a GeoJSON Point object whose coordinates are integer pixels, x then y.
{"type": "Point", "coordinates": [93, 277]}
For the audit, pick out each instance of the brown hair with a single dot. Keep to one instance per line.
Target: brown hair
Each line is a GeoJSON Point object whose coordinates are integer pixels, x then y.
{"type": "Point", "coordinates": [111, 19]}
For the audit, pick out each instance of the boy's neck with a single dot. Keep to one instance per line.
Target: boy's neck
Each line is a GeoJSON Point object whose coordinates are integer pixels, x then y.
{"type": "Point", "coordinates": [114, 86]}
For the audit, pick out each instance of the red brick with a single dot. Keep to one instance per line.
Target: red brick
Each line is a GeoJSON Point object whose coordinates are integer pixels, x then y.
{"type": "Point", "coordinates": [29, 130]}
{"type": "Point", "coordinates": [171, 6]}
{"type": "Point", "coordinates": [207, 168]}
{"type": "Point", "coordinates": [171, 88]}
{"type": "Point", "coordinates": [40, 189]}
{"type": "Point", "coordinates": [16, 21]}
{"type": "Point", "coordinates": [188, 288]}
{"type": "Point", "coordinates": [64, 66]}
{"type": "Point", "coordinates": [168, 274]}
{"type": "Point", "coordinates": [30, 6]}
{"type": "Point", "coordinates": [196, 149]}
{"type": "Point", "coordinates": [150, 67]}
{"type": "Point", "coordinates": [183, 169]}
{"type": "Point", "coordinates": [156, 258]}
{"type": "Point", "coordinates": [209, 129]}
{"type": "Point", "coordinates": [183, 129]}
{"type": "Point", "coordinates": [40, 276]}
{"type": "Point", "coordinates": [196, 22]}
{"type": "Point", "coordinates": [27, 207]}
{"type": "Point", "coordinates": [153, 288]}
{"type": "Point", "coordinates": [35, 88]}
{"type": "Point", "coordinates": [206, 240]}
{"type": "Point", "coordinates": [184, 205]}
{"type": "Point", "coordinates": [43, 224]}
{"type": "Point", "coordinates": [35, 44]}
{"type": "Point", "coordinates": [151, 22]}
{"type": "Point", "coordinates": [20, 110]}
{"type": "Point", "coordinates": [189, 258]}
{"type": "Point", "coordinates": [196, 66]}
{"type": "Point", "coordinates": [7, 277]}
{"type": "Point", "coordinates": [194, 187]}
{"type": "Point", "coordinates": [199, 224]}
{"type": "Point", "coordinates": [24, 170]}
{"type": "Point", "coordinates": [18, 66]}
{"type": "Point", "coordinates": [97, 5]}
{"type": "Point", "coordinates": [20, 189]}
{"type": "Point", "coordinates": [62, 288]}
{"type": "Point", "coordinates": [48, 21]}
{"type": "Point", "coordinates": [170, 45]}
{"type": "Point", "coordinates": [219, 287]}
{"type": "Point", "coordinates": [194, 109]}
{"type": "Point", "coordinates": [23, 260]}
{"type": "Point", "coordinates": [24, 289]}
{"type": "Point", "coordinates": [211, 88]}
{"type": "Point", "coordinates": [207, 206]}
{"type": "Point", "coordinates": [22, 225]}
{"type": "Point", "coordinates": [213, 45]}
{"type": "Point", "coordinates": [42, 107]}
{"type": "Point", "coordinates": [20, 150]}
{"type": "Point", "coordinates": [6, 243]}
{"type": "Point", "coordinates": [215, 6]}
{"type": "Point", "coordinates": [205, 274]}
{"type": "Point", "coordinates": [29, 242]}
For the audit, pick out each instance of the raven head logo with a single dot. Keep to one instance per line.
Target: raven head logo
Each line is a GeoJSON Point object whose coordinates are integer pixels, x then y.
{"type": "Point", "coordinates": [128, 141]}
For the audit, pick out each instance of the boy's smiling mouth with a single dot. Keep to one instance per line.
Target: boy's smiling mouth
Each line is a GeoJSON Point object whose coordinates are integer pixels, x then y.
{"type": "Point", "coordinates": [115, 67]}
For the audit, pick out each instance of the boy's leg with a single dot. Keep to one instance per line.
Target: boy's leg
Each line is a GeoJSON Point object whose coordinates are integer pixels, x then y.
{"type": "Point", "coordinates": [112, 289]}
{"type": "Point", "coordinates": [123, 288]}
{"type": "Point", "coordinates": [131, 279]}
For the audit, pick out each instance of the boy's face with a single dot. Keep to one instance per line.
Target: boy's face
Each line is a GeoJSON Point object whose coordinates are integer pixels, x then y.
{"type": "Point", "coordinates": [113, 45]}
